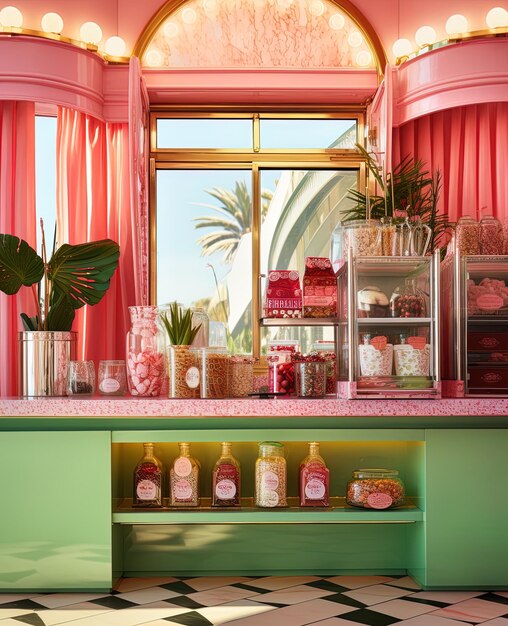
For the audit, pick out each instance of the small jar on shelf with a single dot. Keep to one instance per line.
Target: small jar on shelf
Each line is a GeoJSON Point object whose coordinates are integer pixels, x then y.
{"type": "Point", "coordinates": [148, 480]}
{"type": "Point", "coordinates": [184, 479]}
{"type": "Point", "coordinates": [310, 375]}
{"type": "Point", "coordinates": [408, 301]}
{"type": "Point", "coordinates": [327, 350]}
{"type": "Point", "coordinates": [375, 489]}
{"type": "Point", "coordinates": [240, 375]}
{"type": "Point", "coordinates": [271, 476]}
{"type": "Point", "coordinates": [226, 479]}
{"type": "Point", "coordinates": [281, 371]}
{"type": "Point", "coordinates": [314, 479]}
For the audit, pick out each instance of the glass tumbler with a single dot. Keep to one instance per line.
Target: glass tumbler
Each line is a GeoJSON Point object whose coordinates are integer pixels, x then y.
{"type": "Point", "coordinates": [81, 378]}
{"type": "Point", "coordinates": [112, 378]}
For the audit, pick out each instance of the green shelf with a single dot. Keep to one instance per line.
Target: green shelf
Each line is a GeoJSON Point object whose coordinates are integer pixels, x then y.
{"type": "Point", "coordinates": [338, 513]}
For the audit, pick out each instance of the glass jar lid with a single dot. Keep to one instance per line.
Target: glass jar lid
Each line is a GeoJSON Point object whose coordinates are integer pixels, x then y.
{"type": "Point", "coordinates": [375, 473]}
{"type": "Point", "coordinates": [271, 448]}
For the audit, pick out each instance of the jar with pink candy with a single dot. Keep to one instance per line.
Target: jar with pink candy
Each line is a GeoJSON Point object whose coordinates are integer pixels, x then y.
{"type": "Point", "coordinates": [145, 361]}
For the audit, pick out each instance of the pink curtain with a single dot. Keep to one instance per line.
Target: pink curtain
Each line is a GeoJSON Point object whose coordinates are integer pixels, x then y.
{"type": "Point", "coordinates": [470, 146]}
{"type": "Point", "coordinates": [93, 202]}
{"type": "Point", "coordinates": [17, 217]}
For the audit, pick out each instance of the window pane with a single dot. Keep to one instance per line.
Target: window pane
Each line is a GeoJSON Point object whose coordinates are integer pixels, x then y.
{"type": "Point", "coordinates": [298, 222]}
{"type": "Point", "coordinates": [304, 134]}
{"type": "Point", "coordinates": [210, 133]}
{"type": "Point", "coordinates": [45, 177]}
{"type": "Point", "coordinates": [204, 226]}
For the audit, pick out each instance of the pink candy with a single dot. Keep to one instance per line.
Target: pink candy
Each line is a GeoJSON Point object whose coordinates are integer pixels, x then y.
{"type": "Point", "coordinates": [145, 372]}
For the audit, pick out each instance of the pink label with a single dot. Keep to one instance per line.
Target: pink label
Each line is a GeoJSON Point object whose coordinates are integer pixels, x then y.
{"type": "Point", "coordinates": [192, 377]}
{"type": "Point", "coordinates": [146, 490]}
{"type": "Point", "coordinates": [182, 466]}
{"type": "Point", "coordinates": [109, 385]}
{"type": "Point", "coordinates": [378, 500]}
{"type": "Point", "coordinates": [225, 489]}
{"type": "Point", "coordinates": [315, 489]}
{"type": "Point", "coordinates": [182, 490]}
{"type": "Point", "coordinates": [489, 302]}
{"type": "Point", "coordinates": [319, 300]}
{"type": "Point", "coordinates": [270, 480]}
{"type": "Point", "coordinates": [489, 342]}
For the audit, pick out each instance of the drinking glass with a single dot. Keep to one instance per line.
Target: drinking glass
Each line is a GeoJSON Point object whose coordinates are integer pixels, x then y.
{"type": "Point", "coordinates": [81, 378]}
{"type": "Point", "coordinates": [112, 378]}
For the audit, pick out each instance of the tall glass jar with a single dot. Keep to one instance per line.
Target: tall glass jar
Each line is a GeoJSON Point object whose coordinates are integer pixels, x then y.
{"type": "Point", "coordinates": [467, 235]}
{"type": "Point", "coordinates": [184, 375]}
{"type": "Point", "coordinates": [491, 236]}
{"type": "Point", "coordinates": [145, 359]}
{"type": "Point", "coordinates": [213, 364]}
{"type": "Point", "coordinates": [199, 316]}
{"type": "Point", "coordinates": [271, 476]}
{"type": "Point", "coordinates": [184, 479]}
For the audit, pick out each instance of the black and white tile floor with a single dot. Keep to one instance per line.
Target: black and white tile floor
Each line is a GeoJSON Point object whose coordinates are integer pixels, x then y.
{"type": "Point", "coordinates": [259, 601]}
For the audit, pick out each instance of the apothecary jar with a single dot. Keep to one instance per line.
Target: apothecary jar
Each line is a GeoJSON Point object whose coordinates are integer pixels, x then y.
{"type": "Point", "coordinates": [145, 360]}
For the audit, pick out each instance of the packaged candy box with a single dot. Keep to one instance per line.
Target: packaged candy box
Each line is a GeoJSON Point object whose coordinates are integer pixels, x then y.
{"type": "Point", "coordinates": [319, 288]}
{"type": "Point", "coordinates": [283, 296]}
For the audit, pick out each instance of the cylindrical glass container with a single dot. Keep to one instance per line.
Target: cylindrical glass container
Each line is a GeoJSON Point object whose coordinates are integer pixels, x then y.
{"type": "Point", "coordinates": [213, 371]}
{"type": "Point", "coordinates": [240, 375]}
{"type": "Point", "coordinates": [145, 359]}
{"type": "Point", "coordinates": [363, 236]}
{"type": "Point", "coordinates": [407, 301]}
{"type": "Point", "coordinates": [81, 378]}
{"type": "Point", "coordinates": [310, 376]}
{"type": "Point", "coordinates": [491, 236]}
{"type": "Point", "coordinates": [184, 374]}
{"type": "Point", "coordinates": [271, 476]}
{"type": "Point", "coordinates": [376, 359]}
{"type": "Point", "coordinates": [199, 316]}
{"type": "Point", "coordinates": [467, 235]}
{"type": "Point", "coordinates": [326, 349]}
{"type": "Point", "coordinates": [281, 371]}
{"type": "Point", "coordinates": [375, 489]}
{"type": "Point", "coordinates": [112, 379]}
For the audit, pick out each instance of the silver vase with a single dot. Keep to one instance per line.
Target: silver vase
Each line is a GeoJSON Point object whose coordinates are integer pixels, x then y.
{"type": "Point", "coordinates": [44, 362]}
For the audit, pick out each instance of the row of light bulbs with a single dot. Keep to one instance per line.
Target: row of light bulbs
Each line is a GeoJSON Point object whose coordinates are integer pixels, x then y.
{"type": "Point", "coordinates": [52, 23]}
{"type": "Point", "coordinates": [455, 25]}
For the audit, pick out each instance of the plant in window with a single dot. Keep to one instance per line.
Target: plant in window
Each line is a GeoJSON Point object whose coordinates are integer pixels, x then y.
{"type": "Point", "coordinates": [410, 191]}
{"type": "Point", "coordinates": [75, 275]}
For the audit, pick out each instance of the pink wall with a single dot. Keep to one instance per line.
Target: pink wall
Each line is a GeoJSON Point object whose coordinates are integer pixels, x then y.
{"type": "Point", "coordinates": [134, 14]}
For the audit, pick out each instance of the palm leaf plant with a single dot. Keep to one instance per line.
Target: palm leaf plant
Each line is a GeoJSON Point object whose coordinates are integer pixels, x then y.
{"type": "Point", "coordinates": [409, 191]}
{"type": "Point", "coordinates": [75, 275]}
{"type": "Point", "coordinates": [179, 326]}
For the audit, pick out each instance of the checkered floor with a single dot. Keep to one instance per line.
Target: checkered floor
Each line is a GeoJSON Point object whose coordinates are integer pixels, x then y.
{"type": "Point", "coordinates": [254, 601]}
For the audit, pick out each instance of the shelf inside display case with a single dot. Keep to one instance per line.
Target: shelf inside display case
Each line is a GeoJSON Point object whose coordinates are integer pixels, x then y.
{"type": "Point", "coordinates": [338, 512]}
{"type": "Point", "coordinates": [394, 321]}
{"type": "Point", "coordinates": [299, 321]}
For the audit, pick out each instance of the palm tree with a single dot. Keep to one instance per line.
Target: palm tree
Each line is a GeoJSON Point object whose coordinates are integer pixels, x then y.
{"type": "Point", "coordinates": [232, 222]}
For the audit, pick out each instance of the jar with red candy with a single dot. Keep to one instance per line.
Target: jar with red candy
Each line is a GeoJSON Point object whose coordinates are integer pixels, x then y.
{"type": "Point", "coordinates": [145, 359]}
{"type": "Point", "coordinates": [281, 370]}
{"type": "Point", "coordinates": [408, 301]}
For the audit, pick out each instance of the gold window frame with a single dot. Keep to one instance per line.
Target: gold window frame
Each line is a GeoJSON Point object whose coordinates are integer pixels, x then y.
{"type": "Point", "coordinates": [254, 159]}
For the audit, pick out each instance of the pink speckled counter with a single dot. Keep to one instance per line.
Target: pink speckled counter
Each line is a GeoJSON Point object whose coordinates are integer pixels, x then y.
{"type": "Point", "coordinates": [159, 407]}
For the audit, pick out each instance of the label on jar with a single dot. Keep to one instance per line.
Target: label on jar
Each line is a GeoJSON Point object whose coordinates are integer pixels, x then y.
{"type": "Point", "coordinates": [271, 498]}
{"type": "Point", "coordinates": [182, 490]}
{"type": "Point", "coordinates": [182, 466]}
{"type": "Point", "coordinates": [378, 500]}
{"type": "Point", "coordinates": [109, 385]}
{"type": "Point", "coordinates": [270, 480]}
{"type": "Point", "coordinates": [225, 489]}
{"type": "Point", "coordinates": [146, 490]}
{"type": "Point", "coordinates": [192, 377]}
{"type": "Point", "coordinates": [315, 489]}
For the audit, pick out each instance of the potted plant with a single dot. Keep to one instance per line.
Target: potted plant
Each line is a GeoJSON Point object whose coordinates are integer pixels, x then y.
{"type": "Point", "coordinates": [182, 363]}
{"type": "Point", "coordinates": [75, 275]}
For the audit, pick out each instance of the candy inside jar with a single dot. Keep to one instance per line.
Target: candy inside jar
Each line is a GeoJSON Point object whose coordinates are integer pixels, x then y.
{"type": "Point", "coordinates": [310, 375]}
{"type": "Point", "coordinates": [408, 301]}
{"type": "Point", "coordinates": [281, 371]}
{"type": "Point", "coordinates": [375, 489]}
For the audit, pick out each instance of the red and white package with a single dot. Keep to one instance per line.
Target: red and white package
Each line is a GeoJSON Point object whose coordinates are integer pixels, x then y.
{"type": "Point", "coordinates": [283, 295]}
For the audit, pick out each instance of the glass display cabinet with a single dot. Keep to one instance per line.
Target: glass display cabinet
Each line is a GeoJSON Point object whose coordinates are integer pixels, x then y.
{"type": "Point", "coordinates": [388, 327]}
{"type": "Point", "coordinates": [474, 311]}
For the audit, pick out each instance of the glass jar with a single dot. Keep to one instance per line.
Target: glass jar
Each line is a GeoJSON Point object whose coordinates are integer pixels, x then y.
{"type": "Point", "coordinates": [310, 376]}
{"type": "Point", "coordinates": [375, 489]}
{"type": "Point", "coordinates": [199, 316]}
{"type": "Point", "coordinates": [372, 302]}
{"type": "Point", "coordinates": [491, 236]}
{"type": "Point", "coordinates": [226, 478]}
{"type": "Point", "coordinates": [376, 356]}
{"type": "Point", "coordinates": [408, 301]}
{"type": "Point", "coordinates": [213, 364]}
{"type": "Point", "coordinates": [467, 236]}
{"type": "Point", "coordinates": [240, 375]}
{"type": "Point", "coordinates": [184, 374]}
{"type": "Point", "coordinates": [281, 371]}
{"type": "Point", "coordinates": [327, 350]}
{"type": "Point", "coordinates": [271, 476]}
{"type": "Point", "coordinates": [145, 360]}
{"type": "Point", "coordinates": [314, 484]}
{"type": "Point", "coordinates": [184, 479]}
{"type": "Point", "coordinates": [112, 381]}
{"type": "Point", "coordinates": [147, 484]}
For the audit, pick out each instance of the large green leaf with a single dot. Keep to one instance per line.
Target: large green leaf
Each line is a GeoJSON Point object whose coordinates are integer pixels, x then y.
{"type": "Point", "coordinates": [60, 315]}
{"type": "Point", "coordinates": [19, 264]}
{"type": "Point", "coordinates": [81, 273]}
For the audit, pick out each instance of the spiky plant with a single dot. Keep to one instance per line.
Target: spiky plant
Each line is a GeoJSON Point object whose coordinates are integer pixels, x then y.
{"type": "Point", "coordinates": [179, 326]}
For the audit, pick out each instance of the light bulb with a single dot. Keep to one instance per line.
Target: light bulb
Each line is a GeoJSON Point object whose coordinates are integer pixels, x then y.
{"type": "Point", "coordinates": [11, 17]}
{"type": "Point", "coordinates": [90, 32]}
{"type": "Point", "coordinates": [336, 21]}
{"type": "Point", "coordinates": [355, 39]}
{"type": "Point", "coordinates": [115, 46]}
{"type": "Point", "coordinates": [52, 23]}
{"type": "Point", "coordinates": [189, 16]}
{"type": "Point", "coordinates": [425, 36]}
{"type": "Point", "coordinates": [316, 8]}
{"type": "Point", "coordinates": [456, 24]}
{"type": "Point", "coordinates": [402, 48]}
{"type": "Point", "coordinates": [363, 58]}
{"type": "Point", "coordinates": [497, 17]}
{"type": "Point", "coordinates": [170, 30]}
{"type": "Point", "coordinates": [153, 58]}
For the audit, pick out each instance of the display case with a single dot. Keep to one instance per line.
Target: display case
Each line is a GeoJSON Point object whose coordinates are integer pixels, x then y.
{"type": "Point", "coordinates": [475, 318]}
{"type": "Point", "coordinates": [388, 327]}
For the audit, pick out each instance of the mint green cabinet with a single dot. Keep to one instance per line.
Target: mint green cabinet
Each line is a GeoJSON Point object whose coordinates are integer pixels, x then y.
{"type": "Point", "coordinates": [466, 508]}
{"type": "Point", "coordinates": [55, 525]}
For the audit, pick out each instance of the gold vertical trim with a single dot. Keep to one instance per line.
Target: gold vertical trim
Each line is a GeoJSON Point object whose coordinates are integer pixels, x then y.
{"type": "Point", "coordinates": [256, 261]}
{"type": "Point", "coordinates": [256, 132]}
{"type": "Point", "coordinates": [152, 260]}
